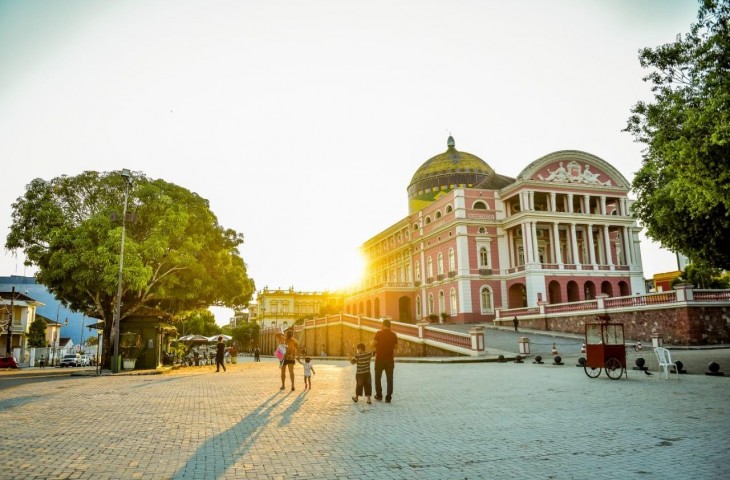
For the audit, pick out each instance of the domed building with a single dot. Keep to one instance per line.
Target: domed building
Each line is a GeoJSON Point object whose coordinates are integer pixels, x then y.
{"type": "Point", "coordinates": [477, 245]}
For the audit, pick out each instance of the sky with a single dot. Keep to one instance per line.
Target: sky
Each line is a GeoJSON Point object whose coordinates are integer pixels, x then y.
{"type": "Point", "coordinates": [302, 123]}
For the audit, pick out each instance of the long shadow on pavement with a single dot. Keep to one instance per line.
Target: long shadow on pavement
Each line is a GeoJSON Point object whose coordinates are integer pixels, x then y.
{"type": "Point", "coordinates": [224, 453]}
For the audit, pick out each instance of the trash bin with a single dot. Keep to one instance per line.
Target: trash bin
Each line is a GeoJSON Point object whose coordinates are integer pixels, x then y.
{"type": "Point", "coordinates": [524, 344]}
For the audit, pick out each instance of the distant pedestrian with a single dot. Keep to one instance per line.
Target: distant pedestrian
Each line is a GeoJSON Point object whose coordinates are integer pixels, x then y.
{"type": "Point", "coordinates": [256, 354]}
{"type": "Point", "coordinates": [308, 372]}
{"type": "Point", "coordinates": [291, 356]}
{"type": "Point", "coordinates": [220, 352]}
{"type": "Point", "coordinates": [516, 323]}
{"type": "Point", "coordinates": [42, 362]}
{"type": "Point", "coordinates": [385, 342]}
{"type": "Point", "coordinates": [363, 380]}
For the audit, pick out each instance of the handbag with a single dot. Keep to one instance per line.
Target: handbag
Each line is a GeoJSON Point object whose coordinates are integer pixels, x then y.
{"type": "Point", "coordinates": [280, 352]}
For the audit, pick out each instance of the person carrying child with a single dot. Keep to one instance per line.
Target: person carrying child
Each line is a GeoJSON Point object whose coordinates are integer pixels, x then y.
{"type": "Point", "coordinates": [308, 372]}
{"type": "Point", "coordinates": [363, 380]}
{"type": "Point", "coordinates": [290, 356]}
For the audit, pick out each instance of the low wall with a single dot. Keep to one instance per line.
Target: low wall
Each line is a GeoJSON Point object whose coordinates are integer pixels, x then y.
{"type": "Point", "coordinates": [678, 325]}
{"type": "Point", "coordinates": [336, 337]}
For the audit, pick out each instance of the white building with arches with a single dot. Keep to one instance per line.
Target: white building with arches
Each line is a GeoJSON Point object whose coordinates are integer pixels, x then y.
{"type": "Point", "coordinates": [476, 241]}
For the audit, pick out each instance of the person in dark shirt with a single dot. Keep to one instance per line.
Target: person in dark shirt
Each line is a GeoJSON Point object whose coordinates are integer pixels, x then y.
{"type": "Point", "coordinates": [385, 343]}
{"type": "Point", "coordinates": [220, 352]}
{"type": "Point", "coordinates": [363, 380]}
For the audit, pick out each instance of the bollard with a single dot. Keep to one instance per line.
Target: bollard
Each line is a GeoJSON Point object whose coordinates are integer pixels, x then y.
{"type": "Point", "coordinates": [581, 362]}
{"type": "Point", "coordinates": [640, 366]}
{"type": "Point", "coordinates": [518, 359]}
{"type": "Point", "coordinates": [714, 370]}
{"type": "Point", "coordinates": [680, 367]}
{"type": "Point", "coordinates": [500, 358]}
{"type": "Point", "coordinates": [538, 359]}
{"type": "Point", "coordinates": [557, 360]}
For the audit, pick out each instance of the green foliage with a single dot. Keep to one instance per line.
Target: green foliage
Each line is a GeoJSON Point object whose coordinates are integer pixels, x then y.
{"type": "Point", "coordinates": [176, 258]}
{"type": "Point", "coordinates": [702, 275]}
{"type": "Point", "coordinates": [199, 322]}
{"type": "Point", "coordinates": [246, 335]}
{"type": "Point", "coordinates": [37, 333]}
{"type": "Point", "coordinates": [683, 186]}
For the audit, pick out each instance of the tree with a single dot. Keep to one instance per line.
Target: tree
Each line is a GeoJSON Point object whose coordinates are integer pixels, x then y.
{"type": "Point", "coordinates": [702, 275]}
{"type": "Point", "coordinates": [683, 186]}
{"type": "Point", "coordinates": [37, 333]}
{"type": "Point", "coordinates": [177, 257]}
{"type": "Point", "coordinates": [200, 322]}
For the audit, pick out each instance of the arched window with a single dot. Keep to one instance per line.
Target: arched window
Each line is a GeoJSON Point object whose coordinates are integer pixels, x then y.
{"type": "Point", "coordinates": [440, 264]}
{"type": "Point", "coordinates": [482, 230]}
{"type": "Point", "coordinates": [415, 227]}
{"type": "Point", "coordinates": [485, 297]}
{"type": "Point", "coordinates": [479, 205]}
{"type": "Point", "coordinates": [454, 309]}
{"type": "Point", "coordinates": [418, 271]}
{"type": "Point", "coordinates": [442, 302]}
{"type": "Point", "coordinates": [438, 215]}
{"type": "Point", "coordinates": [429, 267]}
{"type": "Point", "coordinates": [483, 258]}
{"type": "Point", "coordinates": [452, 260]}
{"type": "Point", "coordinates": [430, 303]}
{"type": "Point", "coordinates": [428, 220]}
{"type": "Point", "coordinates": [449, 209]}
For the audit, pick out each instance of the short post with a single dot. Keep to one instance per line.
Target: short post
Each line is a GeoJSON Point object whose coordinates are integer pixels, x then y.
{"type": "Point", "coordinates": [477, 338]}
{"type": "Point", "coordinates": [524, 344]}
{"type": "Point", "coordinates": [657, 340]}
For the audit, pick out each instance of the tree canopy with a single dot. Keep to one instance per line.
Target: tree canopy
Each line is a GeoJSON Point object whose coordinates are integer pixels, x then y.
{"type": "Point", "coordinates": [37, 333]}
{"type": "Point", "coordinates": [177, 258]}
{"type": "Point", "coordinates": [683, 186]}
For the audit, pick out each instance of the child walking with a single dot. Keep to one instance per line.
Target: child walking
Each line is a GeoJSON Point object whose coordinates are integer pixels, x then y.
{"type": "Point", "coordinates": [363, 380]}
{"type": "Point", "coordinates": [308, 371]}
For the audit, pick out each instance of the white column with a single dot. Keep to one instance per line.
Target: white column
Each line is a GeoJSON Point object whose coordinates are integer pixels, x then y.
{"type": "Point", "coordinates": [591, 250]}
{"type": "Point", "coordinates": [570, 203]}
{"type": "Point", "coordinates": [531, 199]}
{"type": "Point", "coordinates": [627, 246]}
{"type": "Point", "coordinates": [556, 244]}
{"type": "Point", "coordinates": [574, 245]}
{"type": "Point", "coordinates": [535, 252]}
{"type": "Point", "coordinates": [525, 244]}
{"type": "Point", "coordinates": [553, 203]}
{"type": "Point", "coordinates": [511, 247]}
{"type": "Point", "coordinates": [586, 203]}
{"type": "Point", "coordinates": [603, 204]}
{"type": "Point", "coordinates": [607, 245]}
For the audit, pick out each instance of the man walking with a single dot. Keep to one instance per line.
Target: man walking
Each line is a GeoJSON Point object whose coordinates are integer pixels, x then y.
{"type": "Point", "coordinates": [220, 352]}
{"type": "Point", "coordinates": [385, 342]}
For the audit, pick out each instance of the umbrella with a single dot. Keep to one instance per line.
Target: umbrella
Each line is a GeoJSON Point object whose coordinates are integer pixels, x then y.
{"type": "Point", "coordinates": [194, 339]}
{"type": "Point", "coordinates": [214, 338]}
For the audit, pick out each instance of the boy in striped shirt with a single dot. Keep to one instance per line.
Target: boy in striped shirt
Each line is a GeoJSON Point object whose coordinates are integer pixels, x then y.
{"type": "Point", "coordinates": [364, 382]}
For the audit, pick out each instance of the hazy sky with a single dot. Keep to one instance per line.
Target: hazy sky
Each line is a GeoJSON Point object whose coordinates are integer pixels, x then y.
{"type": "Point", "coordinates": [302, 122]}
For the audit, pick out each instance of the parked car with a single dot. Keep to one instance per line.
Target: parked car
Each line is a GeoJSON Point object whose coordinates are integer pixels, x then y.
{"type": "Point", "coordinates": [71, 360]}
{"type": "Point", "coordinates": [8, 362]}
{"type": "Point", "coordinates": [84, 361]}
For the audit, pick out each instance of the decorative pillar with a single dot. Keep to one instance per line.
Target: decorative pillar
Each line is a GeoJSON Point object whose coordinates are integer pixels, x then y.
{"type": "Point", "coordinates": [556, 244]}
{"type": "Point", "coordinates": [553, 203]}
{"type": "Point", "coordinates": [603, 204]}
{"type": "Point", "coordinates": [627, 247]}
{"type": "Point", "coordinates": [525, 244]}
{"type": "Point", "coordinates": [591, 250]}
{"type": "Point", "coordinates": [586, 204]}
{"type": "Point", "coordinates": [535, 250]}
{"type": "Point", "coordinates": [574, 245]}
{"type": "Point", "coordinates": [531, 200]}
{"type": "Point", "coordinates": [570, 203]}
{"type": "Point", "coordinates": [607, 245]}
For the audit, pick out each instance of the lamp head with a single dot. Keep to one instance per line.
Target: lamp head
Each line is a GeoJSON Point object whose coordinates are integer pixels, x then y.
{"type": "Point", "coordinates": [126, 174]}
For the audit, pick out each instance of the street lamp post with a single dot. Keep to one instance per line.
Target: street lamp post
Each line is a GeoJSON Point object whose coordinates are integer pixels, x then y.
{"type": "Point", "coordinates": [116, 361]}
{"type": "Point", "coordinates": [9, 330]}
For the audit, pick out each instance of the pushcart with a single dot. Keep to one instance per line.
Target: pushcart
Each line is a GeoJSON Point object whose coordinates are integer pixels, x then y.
{"type": "Point", "coordinates": [605, 349]}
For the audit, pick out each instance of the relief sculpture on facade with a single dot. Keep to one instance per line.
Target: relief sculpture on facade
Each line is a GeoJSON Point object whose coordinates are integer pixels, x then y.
{"type": "Point", "coordinates": [574, 173]}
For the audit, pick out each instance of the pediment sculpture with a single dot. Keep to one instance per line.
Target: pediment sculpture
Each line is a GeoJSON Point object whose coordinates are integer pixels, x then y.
{"type": "Point", "coordinates": [574, 173]}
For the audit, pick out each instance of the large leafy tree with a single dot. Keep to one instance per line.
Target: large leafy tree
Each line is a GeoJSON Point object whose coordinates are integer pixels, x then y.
{"type": "Point", "coordinates": [37, 333]}
{"type": "Point", "coordinates": [683, 186]}
{"type": "Point", "coordinates": [177, 257]}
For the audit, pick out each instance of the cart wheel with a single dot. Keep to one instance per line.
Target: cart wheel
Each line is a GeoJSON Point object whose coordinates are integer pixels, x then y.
{"type": "Point", "coordinates": [614, 370]}
{"type": "Point", "coordinates": [591, 372]}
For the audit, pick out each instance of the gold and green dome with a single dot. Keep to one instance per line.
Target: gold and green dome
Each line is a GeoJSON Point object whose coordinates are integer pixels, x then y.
{"type": "Point", "coordinates": [444, 172]}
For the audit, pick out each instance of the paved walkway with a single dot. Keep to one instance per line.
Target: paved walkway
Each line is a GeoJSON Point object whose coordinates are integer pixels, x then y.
{"type": "Point", "coordinates": [447, 421]}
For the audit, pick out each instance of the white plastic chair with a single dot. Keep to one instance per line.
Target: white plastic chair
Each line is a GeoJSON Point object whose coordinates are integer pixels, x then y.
{"type": "Point", "coordinates": [665, 361]}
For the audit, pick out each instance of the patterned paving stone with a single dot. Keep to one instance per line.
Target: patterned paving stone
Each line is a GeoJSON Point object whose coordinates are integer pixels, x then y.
{"type": "Point", "coordinates": [447, 421]}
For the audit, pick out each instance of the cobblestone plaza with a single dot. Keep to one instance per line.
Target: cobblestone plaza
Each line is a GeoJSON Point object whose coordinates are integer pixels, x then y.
{"type": "Point", "coordinates": [447, 421]}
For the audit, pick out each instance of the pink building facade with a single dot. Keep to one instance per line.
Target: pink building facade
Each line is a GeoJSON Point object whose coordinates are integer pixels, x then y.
{"type": "Point", "coordinates": [476, 241]}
